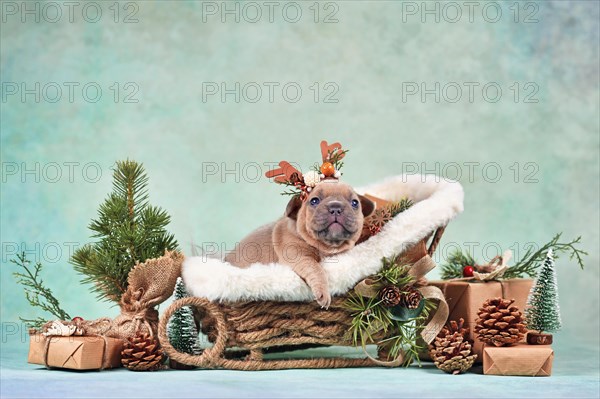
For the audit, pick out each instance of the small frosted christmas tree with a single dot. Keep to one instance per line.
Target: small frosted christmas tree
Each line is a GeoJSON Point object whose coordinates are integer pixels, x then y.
{"type": "Point", "coordinates": [542, 312]}
{"type": "Point", "coordinates": [181, 328]}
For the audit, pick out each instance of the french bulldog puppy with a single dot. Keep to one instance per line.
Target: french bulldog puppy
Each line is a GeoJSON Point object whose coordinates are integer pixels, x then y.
{"type": "Point", "coordinates": [328, 222]}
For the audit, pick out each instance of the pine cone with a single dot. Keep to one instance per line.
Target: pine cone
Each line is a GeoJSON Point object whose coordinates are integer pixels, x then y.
{"type": "Point", "coordinates": [450, 351]}
{"type": "Point", "coordinates": [499, 323]}
{"type": "Point", "coordinates": [142, 353]}
{"type": "Point", "coordinates": [411, 298]}
{"type": "Point", "coordinates": [390, 295]}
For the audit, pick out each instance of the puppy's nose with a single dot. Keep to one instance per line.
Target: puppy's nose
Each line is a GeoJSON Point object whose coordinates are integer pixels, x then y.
{"type": "Point", "coordinates": [335, 207]}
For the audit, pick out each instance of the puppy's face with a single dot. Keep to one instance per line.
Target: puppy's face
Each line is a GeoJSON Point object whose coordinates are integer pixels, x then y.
{"type": "Point", "coordinates": [332, 216]}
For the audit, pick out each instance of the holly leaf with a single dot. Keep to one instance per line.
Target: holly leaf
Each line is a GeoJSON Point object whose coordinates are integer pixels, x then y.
{"type": "Point", "coordinates": [401, 313]}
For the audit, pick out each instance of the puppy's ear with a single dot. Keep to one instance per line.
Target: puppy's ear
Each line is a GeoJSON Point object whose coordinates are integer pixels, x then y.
{"type": "Point", "coordinates": [293, 207]}
{"type": "Point", "coordinates": [366, 205]}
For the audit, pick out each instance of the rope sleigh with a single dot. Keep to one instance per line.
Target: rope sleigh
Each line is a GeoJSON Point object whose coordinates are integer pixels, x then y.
{"type": "Point", "coordinates": [246, 323]}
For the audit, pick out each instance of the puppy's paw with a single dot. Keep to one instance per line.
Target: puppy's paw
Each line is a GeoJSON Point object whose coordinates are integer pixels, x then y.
{"type": "Point", "coordinates": [323, 298]}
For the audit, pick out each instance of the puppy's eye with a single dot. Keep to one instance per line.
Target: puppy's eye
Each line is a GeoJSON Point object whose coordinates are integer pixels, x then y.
{"type": "Point", "coordinates": [315, 201]}
{"type": "Point", "coordinates": [354, 203]}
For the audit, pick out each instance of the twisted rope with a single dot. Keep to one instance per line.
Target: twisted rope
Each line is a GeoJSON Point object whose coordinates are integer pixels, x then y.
{"type": "Point", "coordinates": [278, 325]}
{"type": "Point", "coordinates": [209, 356]}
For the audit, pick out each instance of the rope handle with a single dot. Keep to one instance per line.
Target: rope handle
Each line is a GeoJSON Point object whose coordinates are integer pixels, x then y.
{"type": "Point", "coordinates": [209, 356]}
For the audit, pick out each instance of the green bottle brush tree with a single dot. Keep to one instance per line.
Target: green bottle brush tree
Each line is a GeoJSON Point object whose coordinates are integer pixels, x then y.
{"type": "Point", "coordinates": [542, 312]}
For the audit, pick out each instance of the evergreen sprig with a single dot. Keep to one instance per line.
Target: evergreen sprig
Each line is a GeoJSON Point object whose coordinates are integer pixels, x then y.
{"type": "Point", "coordinates": [129, 231]}
{"type": "Point", "coordinates": [457, 260]}
{"type": "Point", "coordinates": [531, 261]}
{"type": "Point", "coordinates": [406, 336]}
{"type": "Point", "coordinates": [526, 266]}
{"type": "Point", "coordinates": [292, 190]}
{"type": "Point", "coordinates": [370, 317]}
{"type": "Point", "coordinates": [394, 272]}
{"type": "Point", "coordinates": [36, 293]}
{"type": "Point", "coordinates": [400, 206]}
{"type": "Point", "coordinates": [367, 318]}
{"type": "Point", "coordinates": [335, 157]}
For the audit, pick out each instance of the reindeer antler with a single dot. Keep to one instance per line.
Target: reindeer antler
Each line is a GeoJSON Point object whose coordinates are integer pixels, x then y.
{"type": "Point", "coordinates": [285, 173]}
{"type": "Point", "coordinates": [327, 150]}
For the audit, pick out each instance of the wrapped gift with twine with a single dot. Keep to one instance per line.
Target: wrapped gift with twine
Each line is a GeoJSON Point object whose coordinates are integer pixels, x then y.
{"type": "Point", "coordinates": [466, 295]}
{"type": "Point", "coordinates": [519, 360]}
{"type": "Point", "coordinates": [96, 344]}
{"type": "Point", "coordinates": [78, 344]}
{"type": "Point", "coordinates": [83, 352]}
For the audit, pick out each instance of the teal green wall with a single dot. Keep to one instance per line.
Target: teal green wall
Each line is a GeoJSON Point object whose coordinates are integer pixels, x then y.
{"type": "Point", "coordinates": [368, 54]}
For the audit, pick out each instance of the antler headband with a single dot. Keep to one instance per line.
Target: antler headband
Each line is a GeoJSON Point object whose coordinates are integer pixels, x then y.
{"type": "Point", "coordinates": [301, 184]}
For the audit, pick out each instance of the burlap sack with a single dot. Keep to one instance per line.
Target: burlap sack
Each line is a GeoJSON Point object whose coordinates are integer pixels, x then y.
{"type": "Point", "coordinates": [149, 284]}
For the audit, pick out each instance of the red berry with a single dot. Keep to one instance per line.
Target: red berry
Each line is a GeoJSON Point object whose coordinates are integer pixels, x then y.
{"type": "Point", "coordinates": [468, 271]}
{"type": "Point", "coordinates": [77, 319]}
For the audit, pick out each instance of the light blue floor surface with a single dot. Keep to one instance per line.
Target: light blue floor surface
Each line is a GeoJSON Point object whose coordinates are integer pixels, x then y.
{"type": "Point", "coordinates": [575, 374]}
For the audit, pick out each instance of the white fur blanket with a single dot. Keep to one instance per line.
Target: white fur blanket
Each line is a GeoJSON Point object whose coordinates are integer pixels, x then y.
{"type": "Point", "coordinates": [437, 201]}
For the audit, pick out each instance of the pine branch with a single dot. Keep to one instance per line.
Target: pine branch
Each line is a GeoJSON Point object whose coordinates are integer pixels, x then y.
{"type": "Point", "coordinates": [291, 192]}
{"type": "Point", "coordinates": [400, 206]}
{"type": "Point", "coordinates": [36, 323]}
{"type": "Point", "coordinates": [335, 157]}
{"type": "Point", "coordinates": [36, 293]}
{"type": "Point", "coordinates": [531, 261]}
{"type": "Point", "coordinates": [394, 272]}
{"type": "Point", "coordinates": [128, 230]}
{"type": "Point", "coordinates": [370, 317]}
{"type": "Point", "coordinates": [527, 266]}
{"type": "Point", "coordinates": [107, 281]}
{"type": "Point", "coordinates": [130, 182]}
{"type": "Point", "coordinates": [453, 268]}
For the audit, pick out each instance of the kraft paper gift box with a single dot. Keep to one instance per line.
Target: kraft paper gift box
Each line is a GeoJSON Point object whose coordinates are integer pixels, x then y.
{"type": "Point", "coordinates": [466, 297]}
{"type": "Point", "coordinates": [75, 352]}
{"type": "Point", "coordinates": [518, 360]}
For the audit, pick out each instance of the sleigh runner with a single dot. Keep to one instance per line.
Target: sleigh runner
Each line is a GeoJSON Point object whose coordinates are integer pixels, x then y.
{"type": "Point", "coordinates": [248, 312]}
